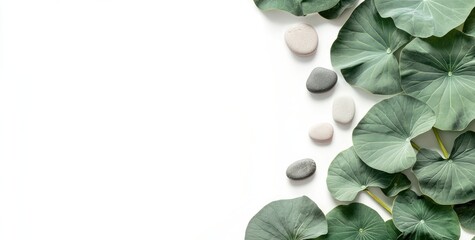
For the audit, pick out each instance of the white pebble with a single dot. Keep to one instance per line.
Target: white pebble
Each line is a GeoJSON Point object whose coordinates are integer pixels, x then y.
{"type": "Point", "coordinates": [302, 39]}
{"type": "Point", "coordinates": [321, 132]}
{"type": "Point", "coordinates": [343, 110]}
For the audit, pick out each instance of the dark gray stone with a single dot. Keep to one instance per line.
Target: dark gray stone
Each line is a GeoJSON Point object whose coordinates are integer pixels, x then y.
{"type": "Point", "coordinates": [321, 80]}
{"type": "Point", "coordinates": [301, 169]}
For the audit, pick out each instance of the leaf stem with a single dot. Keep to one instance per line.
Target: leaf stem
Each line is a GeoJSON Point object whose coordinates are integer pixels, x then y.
{"type": "Point", "coordinates": [379, 201]}
{"type": "Point", "coordinates": [415, 146]}
{"type": "Point", "coordinates": [441, 144]}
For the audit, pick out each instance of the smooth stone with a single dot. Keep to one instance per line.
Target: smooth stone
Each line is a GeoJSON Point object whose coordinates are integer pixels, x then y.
{"type": "Point", "coordinates": [301, 169]}
{"type": "Point", "coordinates": [343, 109]}
{"type": "Point", "coordinates": [321, 132]}
{"type": "Point", "coordinates": [321, 80]}
{"type": "Point", "coordinates": [302, 39]}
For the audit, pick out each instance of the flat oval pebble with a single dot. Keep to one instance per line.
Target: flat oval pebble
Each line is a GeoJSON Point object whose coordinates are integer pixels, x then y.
{"type": "Point", "coordinates": [321, 132]}
{"type": "Point", "coordinates": [301, 169]}
{"type": "Point", "coordinates": [302, 39]}
{"type": "Point", "coordinates": [321, 80]}
{"type": "Point", "coordinates": [343, 109]}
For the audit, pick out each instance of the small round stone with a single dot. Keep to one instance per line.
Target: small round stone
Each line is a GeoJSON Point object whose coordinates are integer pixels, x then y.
{"type": "Point", "coordinates": [343, 110]}
{"type": "Point", "coordinates": [302, 39]}
{"type": "Point", "coordinates": [321, 132]}
{"type": "Point", "coordinates": [321, 80]}
{"type": "Point", "coordinates": [301, 169]}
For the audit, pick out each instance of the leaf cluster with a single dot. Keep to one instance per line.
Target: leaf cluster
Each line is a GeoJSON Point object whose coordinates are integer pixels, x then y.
{"type": "Point", "coordinates": [423, 54]}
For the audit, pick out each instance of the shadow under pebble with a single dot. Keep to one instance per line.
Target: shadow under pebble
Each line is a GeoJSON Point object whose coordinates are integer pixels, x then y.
{"type": "Point", "coordinates": [302, 182]}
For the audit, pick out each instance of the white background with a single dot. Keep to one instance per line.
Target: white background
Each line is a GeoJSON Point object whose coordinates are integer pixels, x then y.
{"type": "Point", "coordinates": [147, 119]}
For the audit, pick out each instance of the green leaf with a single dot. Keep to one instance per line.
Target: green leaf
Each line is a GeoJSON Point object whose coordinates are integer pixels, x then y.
{"type": "Point", "coordinates": [425, 18]}
{"type": "Point", "coordinates": [364, 51]}
{"type": "Point", "coordinates": [296, 7]}
{"type": "Point", "coordinates": [355, 221]}
{"type": "Point", "coordinates": [420, 218]}
{"type": "Point", "coordinates": [293, 219]}
{"type": "Point", "coordinates": [338, 9]}
{"type": "Point", "coordinates": [469, 26]}
{"type": "Point", "coordinates": [448, 181]}
{"type": "Point", "coordinates": [466, 213]}
{"type": "Point", "coordinates": [398, 184]}
{"type": "Point", "coordinates": [441, 73]}
{"type": "Point", "coordinates": [348, 175]}
{"type": "Point", "coordinates": [392, 230]}
{"type": "Point", "coordinates": [382, 138]}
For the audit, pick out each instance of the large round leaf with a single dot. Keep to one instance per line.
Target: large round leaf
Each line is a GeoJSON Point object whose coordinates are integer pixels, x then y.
{"type": "Point", "coordinates": [382, 138]}
{"type": "Point", "coordinates": [425, 18]}
{"type": "Point", "coordinates": [296, 7]}
{"type": "Point", "coordinates": [293, 219]}
{"type": "Point", "coordinates": [338, 9]}
{"type": "Point", "coordinates": [469, 26]}
{"type": "Point", "coordinates": [420, 218]}
{"type": "Point", "coordinates": [356, 222]}
{"type": "Point", "coordinates": [399, 183]}
{"type": "Point", "coordinates": [364, 51]}
{"type": "Point", "coordinates": [448, 181]}
{"type": "Point", "coordinates": [348, 175]}
{"type": "Point", "coordinates": [466, 213]}
{"type": "Point", "coordinates": [441, 72]}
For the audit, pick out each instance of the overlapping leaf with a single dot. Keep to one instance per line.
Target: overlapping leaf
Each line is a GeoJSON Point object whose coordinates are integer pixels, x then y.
{"type": "Point", "coordinates": [382, 138]}
{"type": "Point", "coordinates": [393, 232]}
{"type": "Point", "coordinates": [425, 18]}
{"type": "Point", "coordinates": [466, 213]}
{"type": "Point", "coordinates": [398, 184]}
{"type": "Point", "coordinates": [296, 7]}
{"type": "Point", "coordinates": [348, 175]}
{"type": "Point", "coordinates": [469, 26]}
{"type": "Point", "coordinates": [364, 51]}
{"type": "Point", "coordinates": [448, 181]}
{"type": "Point", "coordinates": [420, 218]}
{"type": "Point", "coordinates": [355, 221]}
{"type": "Point", "coordinates": [441, 73]}
{"type": "Point", "coordinates": [338, 9]}
{"type": "Point", "coordinates": [293, 219]}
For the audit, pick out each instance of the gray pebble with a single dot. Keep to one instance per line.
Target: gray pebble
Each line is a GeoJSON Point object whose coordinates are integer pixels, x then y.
{"type": "Point", "coordinates": [321, 80]}
{"type": "Point", "coordinates": [301, 169]}
{"type": "Point", "coordinates": [321, 132]}
{"type": "Point", "coordinates": [343, 109]}
{"type": "Point", "coordinates": [302, 39]}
